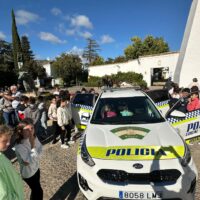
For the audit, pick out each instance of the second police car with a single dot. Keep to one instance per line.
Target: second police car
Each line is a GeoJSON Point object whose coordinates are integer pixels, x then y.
{"type": "Point", "coordinates": [129, 151]}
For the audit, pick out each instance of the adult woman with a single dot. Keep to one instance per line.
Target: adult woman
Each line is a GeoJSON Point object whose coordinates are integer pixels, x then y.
{"type": "Point", "coordinates": [11, 185]}
{"type": "Point", "coordinates": [28, 150]}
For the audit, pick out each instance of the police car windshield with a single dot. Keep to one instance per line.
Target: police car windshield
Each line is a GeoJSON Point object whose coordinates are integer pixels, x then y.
{"type": "Point", "coordinates": [127, 110]}
{"type": "Point", "coordinates": [84, 99]}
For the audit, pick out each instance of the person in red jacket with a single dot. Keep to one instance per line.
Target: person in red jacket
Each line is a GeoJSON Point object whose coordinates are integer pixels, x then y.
{"type": "Point", "coordinates": [194, 102]}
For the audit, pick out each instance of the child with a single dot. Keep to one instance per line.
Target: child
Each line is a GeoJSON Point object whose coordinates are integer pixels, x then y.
{"type": "Point", "coordinates": [64, 120]}
{"type": "Point", "coordinates": [28, 150]}
{"type": "Point", "coordinates": [52, 114]}
{"type": "Point", "coordinates": [11, 185]}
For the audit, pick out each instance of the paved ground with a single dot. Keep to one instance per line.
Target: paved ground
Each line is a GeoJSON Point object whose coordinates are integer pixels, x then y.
{"type": "Point", "coordinates": [58, 172]}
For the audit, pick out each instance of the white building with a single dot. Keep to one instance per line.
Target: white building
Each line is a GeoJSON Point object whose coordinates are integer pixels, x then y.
{"type": "Point", "coordinates": [183, 66]}
{"type": "Point", "coordinates": [145, 65]}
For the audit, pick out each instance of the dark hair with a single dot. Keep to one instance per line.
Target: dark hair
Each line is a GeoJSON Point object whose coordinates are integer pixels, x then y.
{"type": "Point", "coordinates": [32, 100]}
{"type": "Point", "coordinates": [186, 90]}
{"type": "Point", "coordinates": [20, 128]}
{"type": "Point", "coordinates": [40, 98]}
{"type": "Point", "coordinates": [24, 98]}
{"type": "Point", "coordinates": [194, 89]}
{"type": "Point", "coordinates": [4, 130]}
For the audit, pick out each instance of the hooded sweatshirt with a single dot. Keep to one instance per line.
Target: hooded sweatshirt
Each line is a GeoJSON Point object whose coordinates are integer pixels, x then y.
{"type": "Point", "coordinates": [32, 112]}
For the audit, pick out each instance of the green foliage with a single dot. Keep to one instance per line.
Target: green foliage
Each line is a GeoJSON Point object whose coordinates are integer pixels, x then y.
{"type": "Point", "coordinates": [130, 77]}
{"type": "Point", "coordinates": [93, 81]}
{"type": "Point", "coordinates": [29, 64]}
{"type": "Point", "coordinates": [97, 61]}
{"type": "Point", "coordinates": [17, 49]}
{"type": "Point", "coordinates": [119, 59]}
{"type": "Point", "coordinates": [109, 61]}
{"type": "Point", "coordinates": [7, 78]}
{"type": "Point", "coordinates": [6, 56]}
{"type": "Point", "coordinates": [68, 67]}
{"type": "Point", "coordinates": [90, 52]}
{"type": "Point", "coordinates": [148, 46]}
{"type": "Point", "coordinates": [26, 49]}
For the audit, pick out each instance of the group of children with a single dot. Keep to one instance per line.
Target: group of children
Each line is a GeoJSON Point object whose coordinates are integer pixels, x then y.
{"type": "Point", "coordinates": [190, 96]}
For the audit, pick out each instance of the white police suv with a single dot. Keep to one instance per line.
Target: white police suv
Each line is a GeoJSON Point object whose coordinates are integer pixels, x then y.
{"type": "Point", "coordinates": [129, 151]}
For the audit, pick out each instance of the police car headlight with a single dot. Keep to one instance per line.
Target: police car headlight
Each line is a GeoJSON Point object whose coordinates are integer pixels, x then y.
{"type": "Point", "coordinates": [187, 157]}
{"type": "Point", "coordinates": [85, 155]}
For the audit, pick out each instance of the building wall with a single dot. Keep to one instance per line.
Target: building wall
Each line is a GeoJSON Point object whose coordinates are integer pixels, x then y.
{"type": "Point", "coordinates": [48, 69]}
{"type": "Point", "coordinates": [188, 64]}
{"type": "Point", "coordinates": [141, 65]}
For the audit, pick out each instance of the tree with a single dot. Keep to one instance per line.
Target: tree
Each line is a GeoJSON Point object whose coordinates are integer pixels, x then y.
{"type": "Point", "coordinates": [17, 49]}
{"type": "Point", "coordinates": [26, 49]}
{"type": "Point", "coordinates": [109, 61]}
{"type": "Point", "coordinates": [97, 61]}
{"type": "Point", "coordinates": [68, 67]}
{"type": "Point", "coordinates": [6, 56]}
{"type": "Point", "coordinates": [148, 46]}
{"type": "Point", "coordinates": [90, 52]}
{"type": "Point", "coordinates": [120, 59]}
{"type": "Point", "coordinates": [29, 64]}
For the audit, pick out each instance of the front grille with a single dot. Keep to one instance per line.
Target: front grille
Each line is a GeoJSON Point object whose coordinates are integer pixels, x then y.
{"type": "Point", "coordinates": [168, 176]}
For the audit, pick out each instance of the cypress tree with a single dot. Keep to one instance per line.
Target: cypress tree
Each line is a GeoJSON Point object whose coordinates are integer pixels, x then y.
{"type": "Point", "coordinates": [17, 49]}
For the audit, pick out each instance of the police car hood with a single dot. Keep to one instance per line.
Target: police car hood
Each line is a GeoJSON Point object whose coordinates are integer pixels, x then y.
{"type": "Point", "coordinates": [157, 134]}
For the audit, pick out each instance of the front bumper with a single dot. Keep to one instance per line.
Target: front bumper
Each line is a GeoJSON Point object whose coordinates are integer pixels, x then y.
{"type": "Point", "coordinates": [94, 188]}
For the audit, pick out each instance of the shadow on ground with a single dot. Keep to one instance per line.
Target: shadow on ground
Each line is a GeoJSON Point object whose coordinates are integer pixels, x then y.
{"type": "Point", "coordinates": [68, 190]}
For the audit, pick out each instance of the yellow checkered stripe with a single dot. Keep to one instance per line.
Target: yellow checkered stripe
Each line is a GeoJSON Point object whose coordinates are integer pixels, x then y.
{"type": "Point", "coordinates": [184, 121]}
{"type": "Point", "coordinates": [136, 152]}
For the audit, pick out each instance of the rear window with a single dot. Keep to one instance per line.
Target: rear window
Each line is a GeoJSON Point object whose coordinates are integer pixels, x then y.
{"type": "Point", "coordinates": [84, 99]}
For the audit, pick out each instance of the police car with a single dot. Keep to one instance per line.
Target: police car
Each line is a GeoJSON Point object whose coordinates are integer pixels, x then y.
{"type": "Point", "coordinates": [129, 151]}
{"type": "Point", "coordinates": [82, 106]}
{"type": "Point", "coordinates": [186, 123]}
{"type": "Point", "coordinates": [161, 99]}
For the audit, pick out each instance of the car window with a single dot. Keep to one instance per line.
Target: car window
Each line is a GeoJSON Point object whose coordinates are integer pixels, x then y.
{"type": "Point", "coordinates": [128, 110]}
{"type": "Point", "coordinates": [84, 99]}
{"type": "Point", "coordinates": [158, 95]}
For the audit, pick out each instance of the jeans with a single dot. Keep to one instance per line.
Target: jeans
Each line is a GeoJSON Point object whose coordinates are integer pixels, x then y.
{"type": "Point", "coordinates": [9, 118]}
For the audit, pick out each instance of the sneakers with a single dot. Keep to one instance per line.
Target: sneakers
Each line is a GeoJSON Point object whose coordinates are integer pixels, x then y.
{"type": "Point", "coordinates": [64, 146]}
{"type": "Point", "coordinates": [70, 142]}
{"type": "Point", "coordinates": [53, 142]}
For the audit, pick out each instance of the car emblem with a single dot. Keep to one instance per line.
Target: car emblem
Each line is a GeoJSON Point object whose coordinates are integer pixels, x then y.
{"type": "Point", "coordinates": [138, 166]}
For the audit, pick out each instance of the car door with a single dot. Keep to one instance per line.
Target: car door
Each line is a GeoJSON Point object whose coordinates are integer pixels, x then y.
{"type": "Point", "coordinates": [161, 98]}
{"type": "Point", "coordinates": [82, 106]}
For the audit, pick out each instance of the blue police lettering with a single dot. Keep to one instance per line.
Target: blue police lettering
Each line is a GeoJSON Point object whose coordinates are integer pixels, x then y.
{"type": "Point", "coordinates": [136, 152]}
{"type": "Point", "coordinates": [193, 126]}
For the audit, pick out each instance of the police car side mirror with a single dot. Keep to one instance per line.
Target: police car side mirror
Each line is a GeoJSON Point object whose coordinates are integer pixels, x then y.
{"type": "Point", "coordinates": [177, 113]}
{"type": "Point", "coordinates": [85, 115]}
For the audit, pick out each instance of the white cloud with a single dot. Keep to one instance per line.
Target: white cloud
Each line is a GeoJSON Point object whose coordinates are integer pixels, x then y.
{"type": "Point", "coordinates": [106, 39]}
{"type": "Point", "coordinates": [81, 21]}
{"type": "Point", "coordinates": [51, 38]}
{"type": "Point", "coordinates": [56, 11]}
{"type": "Point", "coordinates": [24, 17]}
{"type": "Point", "coordinates": [77, 51]}
{"type": "Point", "coordinates": [70, 32]}
{"type": "Point", "coordinates": [2, 36]}
{"type": "Point", "coordinates": [85, 34]}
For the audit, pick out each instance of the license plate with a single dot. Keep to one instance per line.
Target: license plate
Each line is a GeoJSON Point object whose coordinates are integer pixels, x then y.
{"type": "Point", "coordinates": [140, 195]}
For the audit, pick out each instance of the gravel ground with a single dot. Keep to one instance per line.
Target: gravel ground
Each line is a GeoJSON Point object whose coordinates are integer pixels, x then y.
{"type": "Point", "coordinates": [58, 172]}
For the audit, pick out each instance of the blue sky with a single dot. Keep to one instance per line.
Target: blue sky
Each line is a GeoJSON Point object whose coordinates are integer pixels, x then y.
{"type": "Point", "coordinates": [57, 26]}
